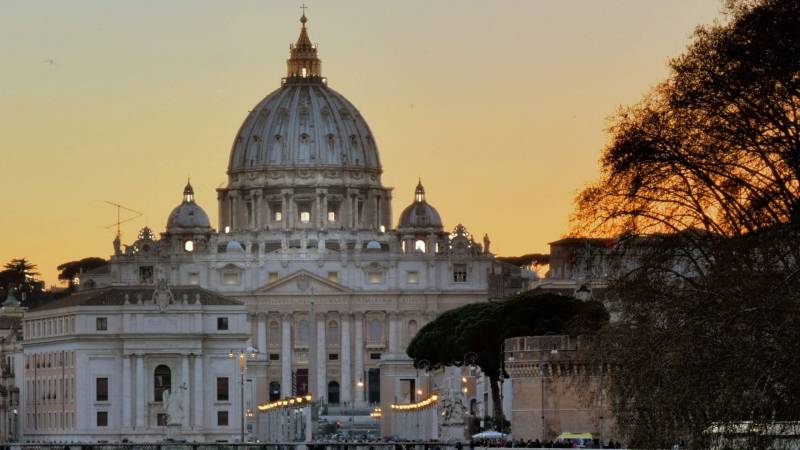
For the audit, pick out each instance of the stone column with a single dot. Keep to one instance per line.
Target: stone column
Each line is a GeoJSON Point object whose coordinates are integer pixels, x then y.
{"type": "Point", "coordinates": [358, 347]}
{"type": "Point", "coordinates": [286, 355]}
{"type": "Point", "coordinates": [256, 196]}
{"type": "Point", "coordinates": [285, 194]}
{"type": "Point", "coordinates": [185, 422]}
{"type": "Point", "coordinates": [199, 392]}
{"type": "Point", "coordinates": [261, 340]}
{"type": "Point", "coordinates": [322, 353]}
{"type": "Point", "coordinates": [140, 403]}
{"type": "Point", "coordinates": [126, 392]}
{"type": "Point", "coordinates": [347, 381]}
{"type": "Point", "coordinates": [394, 333]}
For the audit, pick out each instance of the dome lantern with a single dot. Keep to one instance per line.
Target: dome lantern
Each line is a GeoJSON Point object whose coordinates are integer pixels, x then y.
{"type": "Point", "coordinates": [303, 64]}
{"type": "Point", "coordinates": [419, 193]}
{"type": "Point", "coordinates": [188, 192]}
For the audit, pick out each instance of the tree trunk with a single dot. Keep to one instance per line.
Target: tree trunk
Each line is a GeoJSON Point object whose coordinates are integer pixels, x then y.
{"type": "Point", "coordinates": [497, 403]}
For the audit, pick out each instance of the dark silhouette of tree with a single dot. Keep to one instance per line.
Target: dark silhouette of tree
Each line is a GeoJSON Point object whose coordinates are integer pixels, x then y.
{"type": "Point", "coordinates": [19, 274]}
{"type": "Point", "coordinates": [69, 270]}
{"type": "Point", "coordinates": [535, 259]}
{"type": "Point", "coordinates": [702, 182]}
{"type": "Point", "coordinates": [479, 329]}
{"type": "Point", "coordinates": [715, 146]}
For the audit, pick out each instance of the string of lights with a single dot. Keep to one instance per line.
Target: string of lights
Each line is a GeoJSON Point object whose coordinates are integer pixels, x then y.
{"type": "Point", "coordinates": [419, 405]}
{"type": "Point", "coordinates": [289, 402]}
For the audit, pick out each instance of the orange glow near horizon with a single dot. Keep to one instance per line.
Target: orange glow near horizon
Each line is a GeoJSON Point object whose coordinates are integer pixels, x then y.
{"type": "Point", "coordinates": [499, 107]}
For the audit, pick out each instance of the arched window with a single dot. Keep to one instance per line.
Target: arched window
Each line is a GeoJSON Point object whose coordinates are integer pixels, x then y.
{"type": "Point", "coordinates": [162, 381]}
{"type": "Point", "coordinates": [274, 334]}
{"type": "Point", "coordinates": [333, 332]}
{"type": "Point", "coordinates": [375, 331]}
{"type": "Point", "coordinates": [333, 393]}
{"type": "Point", "coordinates": [274, 391]}
{"type": "Point", "coordinates": [419, 246]}
{"type": "Point", "coordinates": [302, 332]}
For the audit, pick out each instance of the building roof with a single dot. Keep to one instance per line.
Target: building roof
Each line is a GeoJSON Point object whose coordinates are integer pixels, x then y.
{"type": "Point", "coordinates": [119, 295]}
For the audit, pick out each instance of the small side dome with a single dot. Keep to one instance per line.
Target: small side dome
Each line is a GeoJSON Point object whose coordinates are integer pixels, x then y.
{"type": "Point", "coordinates": [234, 246]}
{"type": "Point", "coordinates": [420, 214]}
{"type": "Point", "coordinates": [188, 216]}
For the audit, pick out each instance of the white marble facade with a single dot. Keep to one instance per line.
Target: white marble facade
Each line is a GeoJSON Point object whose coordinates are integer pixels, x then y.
{"type": "Point", "coordinates": [332, 287]}
{"type": "Point", "coordinates": [96, 362]}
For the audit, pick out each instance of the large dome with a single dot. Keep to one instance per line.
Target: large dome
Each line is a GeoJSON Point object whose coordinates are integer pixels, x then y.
{"type": "Point", "coordinates": [304, 123]}
{"type": "Point", "coordinates": [304, 159]}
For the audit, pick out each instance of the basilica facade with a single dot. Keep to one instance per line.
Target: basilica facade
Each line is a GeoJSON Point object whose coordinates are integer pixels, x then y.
{"type": "Point", "coordinates": [332, 288]}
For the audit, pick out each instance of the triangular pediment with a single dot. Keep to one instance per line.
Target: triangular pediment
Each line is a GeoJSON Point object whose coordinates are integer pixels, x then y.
{"type": "Point", "coordinates": [302, 282]}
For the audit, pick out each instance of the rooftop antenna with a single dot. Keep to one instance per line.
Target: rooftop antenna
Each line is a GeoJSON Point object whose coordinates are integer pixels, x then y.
{"type": "Point", "coordinates": [119, 216]}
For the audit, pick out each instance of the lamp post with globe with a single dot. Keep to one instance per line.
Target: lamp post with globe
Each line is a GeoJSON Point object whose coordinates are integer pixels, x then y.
{"type": "Point", "coordinates": [243, 354]}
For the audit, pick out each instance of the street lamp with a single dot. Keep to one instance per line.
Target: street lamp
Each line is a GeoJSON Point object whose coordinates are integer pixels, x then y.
{"type": "Point", "coordinates": [243, 354]}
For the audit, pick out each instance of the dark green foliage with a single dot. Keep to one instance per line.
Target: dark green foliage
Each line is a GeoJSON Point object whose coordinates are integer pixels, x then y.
{"type": "Point", "coordinates": [481, 328]}
{"type": "Point", "coordinates": [69, 270]}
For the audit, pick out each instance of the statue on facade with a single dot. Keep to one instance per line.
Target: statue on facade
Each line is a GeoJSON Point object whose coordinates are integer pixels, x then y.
{"type": "Point", "coordinates": [453, 409]}
{"type": "Point", "coordinates": [173, 404]}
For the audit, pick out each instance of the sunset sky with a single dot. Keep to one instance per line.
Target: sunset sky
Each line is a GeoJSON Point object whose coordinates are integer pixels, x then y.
{"type": "Point", "coordinates": [499, 106]}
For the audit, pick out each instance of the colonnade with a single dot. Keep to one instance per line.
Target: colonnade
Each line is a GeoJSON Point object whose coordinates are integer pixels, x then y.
{"type": "Point", "coordinates": [351, 349]}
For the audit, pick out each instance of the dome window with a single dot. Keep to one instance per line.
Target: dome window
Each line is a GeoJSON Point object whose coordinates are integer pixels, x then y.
{"type": "Point", "coordinates": [419, 246]}
{"type": "Point", "coordinates": [277, 216]}
{"type": "Point", "coordinates": [188, 246]}
{"type": "Point", "coordinates": [304, 138]}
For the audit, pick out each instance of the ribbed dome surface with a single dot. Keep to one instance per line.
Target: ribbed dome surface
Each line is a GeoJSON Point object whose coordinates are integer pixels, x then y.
{"type": "Point", "coordinates": [304, 124]}
{"type": "Point", "coordinates": [420, 215]}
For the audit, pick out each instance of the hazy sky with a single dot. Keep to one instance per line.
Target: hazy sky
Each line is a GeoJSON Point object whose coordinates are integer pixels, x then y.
{"type": "Point", "coordinates": [500, 106]}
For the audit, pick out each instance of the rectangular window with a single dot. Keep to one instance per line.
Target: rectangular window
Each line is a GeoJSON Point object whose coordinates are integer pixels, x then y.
{"type": "Point", "coordinates": [331, 216]}
{"type": "Point", "coordinates": [222, 418]}
{"type": "Point", "coordinates": [301, 382]}
{"type": "Point", "coordinates": [230, 278]}
{"type": "Point", "coordinates": [333, 276]}
{"type": "Point", "coordinates": [222, 389]}
{"type": "Point", "coordinates": [374, 356]}
{"type": "Point", "coordinates": [375, 277]}
{"type": "Point", "coordinates": [162, 419]}
{"type": "Point", "coordinates": [101, 385]}
{"type": "Point", "coordinates": [146, 275]}
{"type": "Point", "coordinates": [273, 277]}
{"type": "Point", "coordinates": [102, 418]}
{"type": "Point", "coordinates": [305, 216]}
{"type": "Point", "coordinates": [194, 278]}
{"type": "Point", "coordinates": [101, 324]}
{"type": "Point", "coordinates": [459, 273]}
{"type": "Point", "coordinates": [333, 356]}
{"type": "Point", "coordinates": [222, 323]}
{"type": "Point", "coordinates": [412, 277]}
{"type": "Point", "coordinates": [277, 216]}
{"type": "Point", "coordinates": [274, 357]}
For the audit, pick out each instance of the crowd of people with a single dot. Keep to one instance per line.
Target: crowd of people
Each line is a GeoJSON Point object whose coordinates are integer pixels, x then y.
{"type": "Point", "coordinates": [519, 443]}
